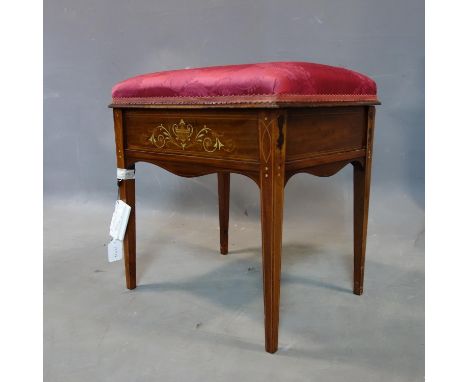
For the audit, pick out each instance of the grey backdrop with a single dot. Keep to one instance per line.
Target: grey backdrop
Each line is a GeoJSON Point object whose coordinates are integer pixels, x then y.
{"type": "Point", "coordinates": [196, 315]}
{"type": "Point", "coordinates": [90, 45]}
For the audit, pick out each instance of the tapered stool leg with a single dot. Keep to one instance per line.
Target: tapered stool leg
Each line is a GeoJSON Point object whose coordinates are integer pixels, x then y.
{"type": "Point", "coordinates": [272, 149]}
{"type": "Point", "coordinates": [362, 178]}
{"type": "Point", "coordinates": [223, 199]}
{"type": "Point", "coordinates": [361, 207]}
{"type": "Point", "coordinates": [127, 194]}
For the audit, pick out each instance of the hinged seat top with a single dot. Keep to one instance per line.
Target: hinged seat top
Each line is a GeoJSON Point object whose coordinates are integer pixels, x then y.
{"type": "Point", "coordinates": [272, 83]}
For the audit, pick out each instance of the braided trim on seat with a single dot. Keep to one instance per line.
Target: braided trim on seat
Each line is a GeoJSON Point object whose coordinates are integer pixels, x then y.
{"type": "Point", "coordinates": [247, 99]}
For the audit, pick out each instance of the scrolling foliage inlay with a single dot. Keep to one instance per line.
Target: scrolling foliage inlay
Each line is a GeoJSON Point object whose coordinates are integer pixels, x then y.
{"type": "Point", "coordinates": [184, 136]}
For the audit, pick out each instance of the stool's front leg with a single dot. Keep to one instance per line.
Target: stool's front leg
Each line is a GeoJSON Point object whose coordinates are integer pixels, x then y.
{"type": "Point", "coordinates": [127, 194]}
{"type": "Point", "coordinates": [223, 198]}
{"type": "Point", "coordinates": [272, 158]}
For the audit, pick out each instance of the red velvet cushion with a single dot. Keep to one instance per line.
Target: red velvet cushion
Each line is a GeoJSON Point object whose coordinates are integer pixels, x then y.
{"type": "Point", "coordinates": [273, 82]}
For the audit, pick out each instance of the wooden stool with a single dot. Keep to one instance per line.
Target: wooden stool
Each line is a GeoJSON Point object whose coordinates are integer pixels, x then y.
{"type": "Point", "coordinates": [267, 121]}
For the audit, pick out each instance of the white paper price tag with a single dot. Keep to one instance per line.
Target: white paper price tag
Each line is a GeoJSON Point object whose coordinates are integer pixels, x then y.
{"type": "Point", "coordinates": [119, 220]}
{"type": "Point", "coordinates": [114, 250]}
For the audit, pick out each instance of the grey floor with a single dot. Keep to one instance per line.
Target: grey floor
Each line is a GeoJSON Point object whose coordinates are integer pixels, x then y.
{"type": "Point", "coordinates": [198, 316]}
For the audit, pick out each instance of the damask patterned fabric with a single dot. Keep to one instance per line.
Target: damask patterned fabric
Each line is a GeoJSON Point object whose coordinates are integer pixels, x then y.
{"type": "Point", "coordinates": [271, 82]}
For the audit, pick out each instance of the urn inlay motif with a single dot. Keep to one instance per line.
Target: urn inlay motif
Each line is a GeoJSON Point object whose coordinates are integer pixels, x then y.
{"type": "Point", "coordinates": [181, 135]}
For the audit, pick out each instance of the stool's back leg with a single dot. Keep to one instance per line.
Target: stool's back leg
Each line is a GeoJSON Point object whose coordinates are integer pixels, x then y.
{"type": "Point", "coordinates": [362, 178]}
{"type": "Point", "coordinates": [223, 199]}
{"type": "Point", "coordinates": [272, 158]}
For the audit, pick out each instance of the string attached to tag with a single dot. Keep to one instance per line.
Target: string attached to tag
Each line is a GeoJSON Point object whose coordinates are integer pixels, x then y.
{"type": "Point", "coordinates": [125, 174]}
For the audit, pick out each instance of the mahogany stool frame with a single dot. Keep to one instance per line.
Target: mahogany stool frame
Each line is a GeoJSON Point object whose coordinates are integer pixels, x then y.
{"type": "Point", "coordinates": [267, 143]}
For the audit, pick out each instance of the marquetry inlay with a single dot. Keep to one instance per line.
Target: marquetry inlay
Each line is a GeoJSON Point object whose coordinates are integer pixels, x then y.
{"type": "Point", "coordinates": [184, 136]}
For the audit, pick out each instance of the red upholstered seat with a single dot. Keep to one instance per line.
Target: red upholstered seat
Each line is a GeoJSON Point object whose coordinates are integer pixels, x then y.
{"type": "Point", "coordinates": [262, 83]}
